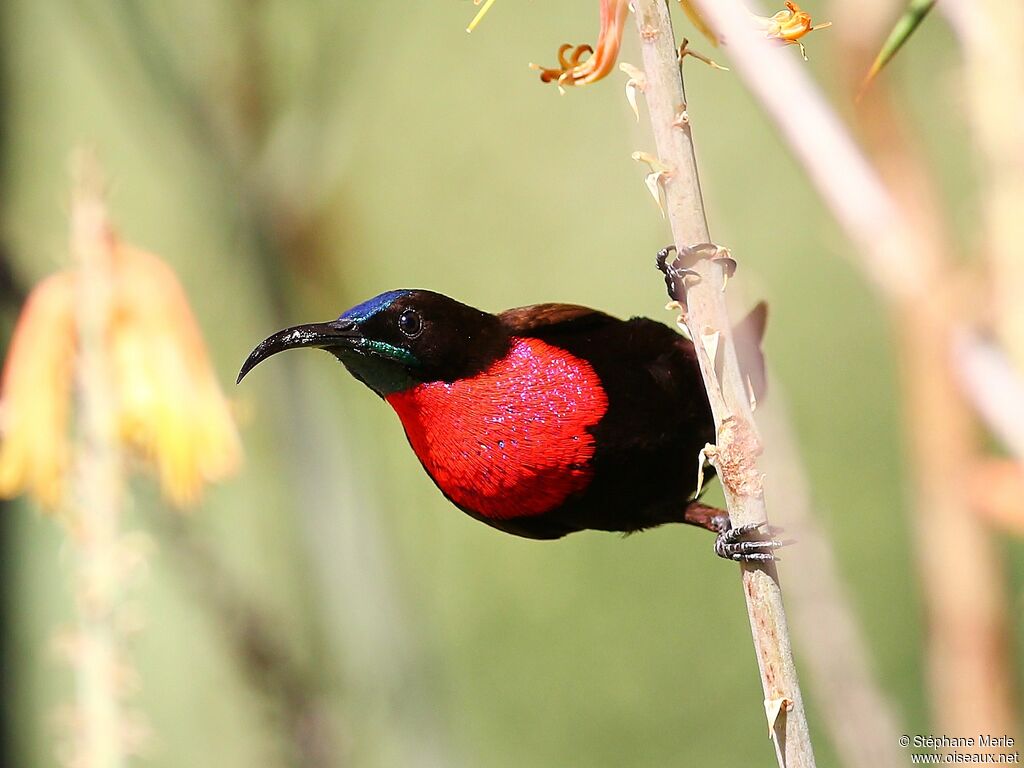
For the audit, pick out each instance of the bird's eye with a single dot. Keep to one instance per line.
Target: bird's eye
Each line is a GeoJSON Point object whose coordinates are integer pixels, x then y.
{"type": "Point", "coordinates": [410, 323]}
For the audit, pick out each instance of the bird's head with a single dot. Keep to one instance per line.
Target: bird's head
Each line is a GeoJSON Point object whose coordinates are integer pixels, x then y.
{"type": "Point", "coordinates": [399, 339]}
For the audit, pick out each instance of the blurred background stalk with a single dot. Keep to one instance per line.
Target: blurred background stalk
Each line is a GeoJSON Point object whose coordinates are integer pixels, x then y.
{"type": "Point", "coordinates": [100, 733]}
{"type": "Point", "coordinates": [235, 123]}
{"type": "Point", "coordinates": [970, 661]}
{"type": "Point", "coordinates": [11, 298]}
{"type": "Point", "coordinates": [991, 38]}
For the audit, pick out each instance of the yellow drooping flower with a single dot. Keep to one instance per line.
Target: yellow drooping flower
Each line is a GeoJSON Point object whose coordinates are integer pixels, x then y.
{"type": "Point", "coordinates": [169, 408]}
{"type": "Point", "coordinates": [35, 393]}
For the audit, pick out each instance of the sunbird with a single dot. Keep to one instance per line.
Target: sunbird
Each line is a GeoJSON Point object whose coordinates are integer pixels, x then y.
{"type": "Point", "coordinates": [543, 420]}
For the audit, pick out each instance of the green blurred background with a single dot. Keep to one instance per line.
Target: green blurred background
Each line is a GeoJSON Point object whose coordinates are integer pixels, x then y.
{"type": "Point", "coordinates": [290, 159]}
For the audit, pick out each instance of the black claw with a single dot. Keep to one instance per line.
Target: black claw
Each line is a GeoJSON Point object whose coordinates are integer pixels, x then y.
{"type": "Point", "coordinates": [744, 547]}
{"type": "Point", "coordinates": [755, 557]}
{"type": "Point", "coordinates": [732, 544]}
{"type": "Point", "coordinates": [668, 270]}
{"type": "Point", "coordinates": [662, 258]}
{"type": "Point", "coordinates": [677, 270]}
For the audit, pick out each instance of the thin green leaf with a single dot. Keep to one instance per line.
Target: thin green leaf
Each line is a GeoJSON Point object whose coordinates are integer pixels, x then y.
{"type": "Point", "coordinates": [905, 26]}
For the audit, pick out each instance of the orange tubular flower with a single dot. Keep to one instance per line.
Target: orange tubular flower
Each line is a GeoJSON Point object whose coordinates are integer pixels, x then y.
{"type": "Point", "coordinates": [169, 407]}
{"type": "Point", "coordinates": [571, 70]}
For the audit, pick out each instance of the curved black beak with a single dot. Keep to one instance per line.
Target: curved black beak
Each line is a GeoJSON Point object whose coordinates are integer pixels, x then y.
{"type": "Point", "coordinates": [337, 333]}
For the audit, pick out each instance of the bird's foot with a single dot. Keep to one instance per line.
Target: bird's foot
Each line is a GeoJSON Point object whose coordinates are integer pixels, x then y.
{"type": "Point", "coordinates": [673, 272]}
{"type": "Point", "coordinates": [662, 258]}
{"type": "Point", "coordinates": [753, 543]}
{"type": "Point", "coordinates": [734, 544]}
{"type": "Point", "coordinates": [680, 273]}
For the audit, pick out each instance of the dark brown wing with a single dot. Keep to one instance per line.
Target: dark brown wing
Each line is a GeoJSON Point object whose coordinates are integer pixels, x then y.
{"type": "Point", "coordinates": [656, 422]}
{"type": "Point", "coordinates": [556, 320]}
{"type": "Point", "coordinates": [538, 319]}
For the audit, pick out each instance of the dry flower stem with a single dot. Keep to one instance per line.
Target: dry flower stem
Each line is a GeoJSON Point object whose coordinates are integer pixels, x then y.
{"type": "Point", "coordinates": [738, 443]}
{"type": "Point", "coordinates": [95, 509]}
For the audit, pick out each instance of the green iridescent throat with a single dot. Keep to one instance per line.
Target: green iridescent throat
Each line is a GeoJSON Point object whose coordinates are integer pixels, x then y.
{"type": "Point", "coordinates": [382, 367]}
{"type": "Point", "coordinates": [389, 351]}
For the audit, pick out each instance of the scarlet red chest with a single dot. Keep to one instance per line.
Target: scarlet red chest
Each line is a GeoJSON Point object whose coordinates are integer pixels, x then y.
{"type": "Point", "coordinates": [513, 440]}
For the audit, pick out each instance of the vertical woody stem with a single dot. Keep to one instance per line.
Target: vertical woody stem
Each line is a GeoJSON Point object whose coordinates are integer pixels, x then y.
{"type": "Point", "coordinates": [706, 317]}
{"type": "Point", "coordinates": [95, 508]}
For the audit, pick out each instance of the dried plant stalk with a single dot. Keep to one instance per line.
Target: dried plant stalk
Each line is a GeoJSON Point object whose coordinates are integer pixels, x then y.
{"type": "Point", "coordinates": [738, 444]}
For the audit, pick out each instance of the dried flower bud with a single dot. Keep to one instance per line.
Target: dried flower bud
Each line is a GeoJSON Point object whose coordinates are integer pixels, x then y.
{"type": "Point", "coordinates": [790, 25]}
{"type": "Point", "coordinates": [574, 69]}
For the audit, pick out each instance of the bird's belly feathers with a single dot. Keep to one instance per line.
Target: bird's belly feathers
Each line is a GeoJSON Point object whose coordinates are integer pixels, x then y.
{"type": "Point", "coordinates": [514, 440]}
